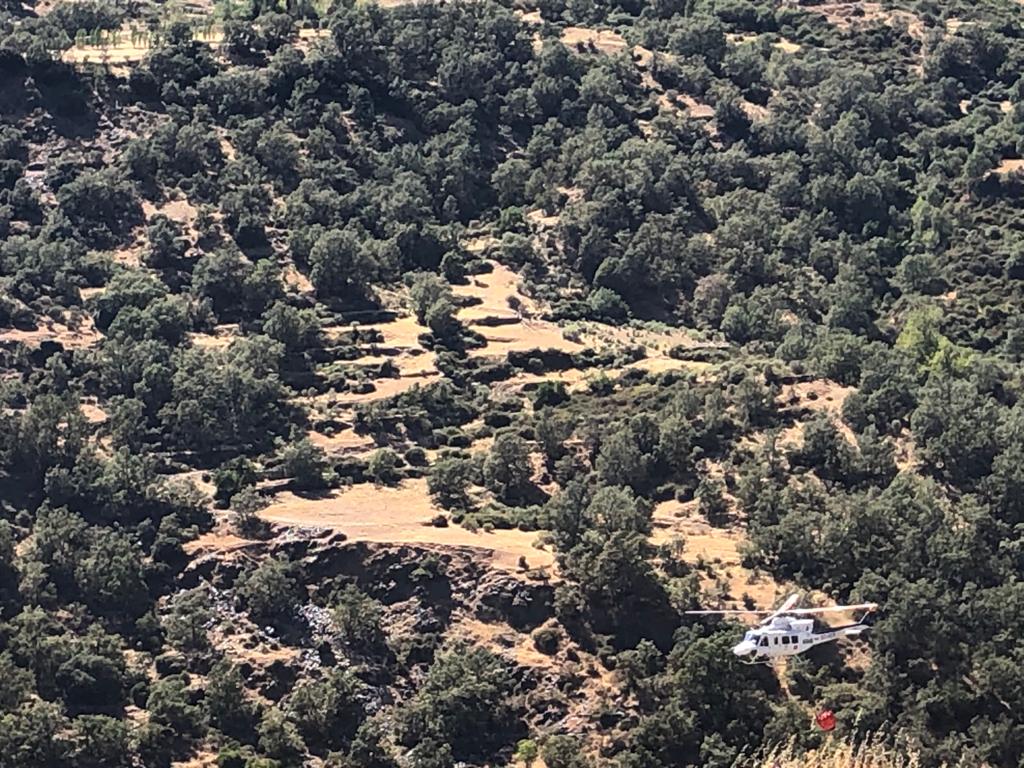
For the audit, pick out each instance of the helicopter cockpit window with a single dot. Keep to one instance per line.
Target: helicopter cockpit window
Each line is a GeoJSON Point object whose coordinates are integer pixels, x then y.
{"type": "Point", "coordinates": [764, 642]}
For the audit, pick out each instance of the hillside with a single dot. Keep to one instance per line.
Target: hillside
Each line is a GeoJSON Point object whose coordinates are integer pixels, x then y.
{"type": "Point", "coordinates": [380, 384]}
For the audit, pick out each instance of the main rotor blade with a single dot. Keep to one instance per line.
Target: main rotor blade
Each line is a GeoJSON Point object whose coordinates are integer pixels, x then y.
{"type": "Point", "coordinates": [734, 610]}
{"type": "Point", "coordinates": [784, 608]}
{"type": "Point", "coordinates": [837, 608]}
{"type": "Point", "coordinates": [790, 602]}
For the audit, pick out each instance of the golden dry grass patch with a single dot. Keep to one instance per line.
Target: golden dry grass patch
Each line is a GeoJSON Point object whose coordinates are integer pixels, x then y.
{"type": "Point", "coordinates": [503, 640]}
{"type": "Point", "coordinates": [408, 364]}
{"type": "Point", "coordinates": [205, 759]}
{"type": "Point", "coordinates": [403, 331]}
{"type": "Point", "coordinates": [494, 290]}
{"type": "Point", "coordinates": [603, 40]}
{"type": "Point", "coordinates": [293, 278]}
{"type": "Point", "coordinates": [515, 384]}
{"type": "Point", "coordinates": [818, 395]}
{"type": "Point", "coordinates": [871, 753]}
{"type": "Point", "coordinates": [345, 441]}
{"type": "Point", "coordinates": [196, 478]}
{"type": "Point", "coordinates": [180, 211]}
{"type": "Point", "coordinates": [1009, 165]}
{"type": "Point", "coordinates": [530, 334]}
{"type": "Point", "coordinates": [682, 102]}
{"type": "Point", "coordinates": [217, 541]}
{"type": "Point", "coordinates": [663, 363]}
{"type": "Point", "coordinates": [522, 331]}
{"type": "Point", "coordinates": [130, 256]}
{"type": "Point", "coordinates": [480, 243]}
{"type": "Point", "coordinates": [383, 389]}
{"type": "Point", "coordinates": [401, 515]}
{"type": "Point", "coordinates": [221, 337]}
{"type": "Point", "coordinates": [93, 413]}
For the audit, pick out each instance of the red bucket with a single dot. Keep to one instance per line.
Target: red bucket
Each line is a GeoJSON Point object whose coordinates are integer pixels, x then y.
{"type": "Point", "coordinates": [826, 720]}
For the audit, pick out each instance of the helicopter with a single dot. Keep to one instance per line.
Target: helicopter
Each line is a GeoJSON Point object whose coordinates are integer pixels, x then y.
{"type": "Point", "coordinates": [780, 634]}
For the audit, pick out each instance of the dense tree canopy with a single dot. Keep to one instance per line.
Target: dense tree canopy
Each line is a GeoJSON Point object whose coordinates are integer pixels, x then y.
{"type": "Point", "coordinates": [779, 246]}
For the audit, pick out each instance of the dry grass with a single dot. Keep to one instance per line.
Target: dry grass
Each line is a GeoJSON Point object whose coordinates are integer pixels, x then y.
{"type": "Point", "coordinates": [503, 640]}
{"type": "Point", "coordinates": [345, 441]}
{"type": "Point", "coordinates": [719, 547]}
{"type": "Point", "coordinates": [293, 278]}
{"type": "Point", "coordinates": [384, 388]}
{"type": "Point", "coordinates": [85, 335]}
{"type": "Point", "coordinates": [494, 290]}
{"type": "Point", "coordinates": [662, 363]}
{"type": "Point", "coordinates": [401, 515]}
{"type": "Point", "coordinates": [221, 337]}
{"type": "Point", "coordinates": [656, 340]}
{"type": "Point", "coordinates": [201, 760]}
{"type": "Point", "coordinates": [402, 332]}
{"type": "Point", "coordinates": [93, 413]}
{"type": "Point", "coordinates": [531, 334]}
{"type": "Point", "coordinates": [129, 257]}
{"type": "Point", "coordinates": [215, 541]}
{"type": "Point", "coordinates": [1010, 165]}
{"type": "Point", "coordinates": [604, 40]}
{"type": "Point", "coordinates": [181, 211]}
{"type": "Point", "coordinates": [872, 753]}
{"type": "Point", "coordinates": [407, 364]}
{"type": "Point", "coordinates": [817, 395]}
{"type": "Point", "coordinates": [127, 52]}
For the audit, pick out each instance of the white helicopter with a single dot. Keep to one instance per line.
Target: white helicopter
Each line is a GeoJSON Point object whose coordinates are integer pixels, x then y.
{"type": "Point", "coordinates": [779, 635]}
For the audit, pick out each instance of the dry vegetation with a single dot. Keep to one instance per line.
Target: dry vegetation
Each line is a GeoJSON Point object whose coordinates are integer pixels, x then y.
{"type": "Point", "coordinates": [871, 753]}
{"type": "Point", "coordinates": [402, 515]}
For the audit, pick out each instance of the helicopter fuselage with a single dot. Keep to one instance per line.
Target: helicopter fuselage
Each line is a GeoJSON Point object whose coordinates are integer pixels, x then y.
{"type": "Point", "coordinates": [785, 636]}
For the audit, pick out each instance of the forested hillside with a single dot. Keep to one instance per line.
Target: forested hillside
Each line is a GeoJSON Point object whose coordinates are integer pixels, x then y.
{"type": "Point", "coordinates": [380, 384]}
